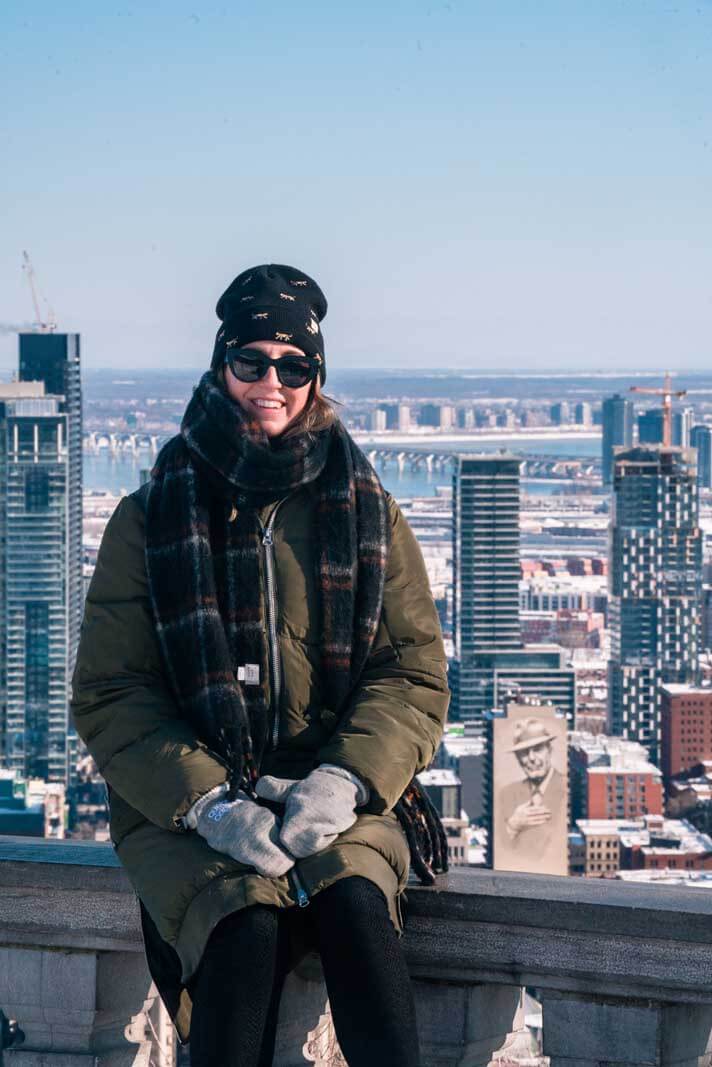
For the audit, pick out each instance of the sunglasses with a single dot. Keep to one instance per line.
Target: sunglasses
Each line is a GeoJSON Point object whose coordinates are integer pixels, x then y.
{"type": "Point", "coordinates": [294, 371]}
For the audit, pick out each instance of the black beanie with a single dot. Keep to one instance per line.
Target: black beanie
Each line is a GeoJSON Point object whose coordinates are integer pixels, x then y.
{"type": "Point", "coordinates": [272, 303]}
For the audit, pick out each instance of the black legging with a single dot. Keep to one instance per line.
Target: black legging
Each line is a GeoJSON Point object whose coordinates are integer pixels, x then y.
{"type": "Point", "coordinates": [237, 987]}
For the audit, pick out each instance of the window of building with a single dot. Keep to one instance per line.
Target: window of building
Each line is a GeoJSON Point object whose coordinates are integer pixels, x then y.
{"type": "Point", "coordinates": [36, 489]}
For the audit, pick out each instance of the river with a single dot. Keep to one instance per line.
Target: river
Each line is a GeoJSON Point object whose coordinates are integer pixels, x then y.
{"type": "Point", "coordinates": [120, 472]}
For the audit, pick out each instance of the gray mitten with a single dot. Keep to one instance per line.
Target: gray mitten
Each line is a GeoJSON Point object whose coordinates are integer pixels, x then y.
{"type": "Point", "coordinates": [242, 829]}
{"type": "Point", "coordinates": [318, 809]}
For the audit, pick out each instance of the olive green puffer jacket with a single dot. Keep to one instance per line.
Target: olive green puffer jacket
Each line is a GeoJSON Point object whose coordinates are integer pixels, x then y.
{"type": "Point", "coordinates": [155, 767]}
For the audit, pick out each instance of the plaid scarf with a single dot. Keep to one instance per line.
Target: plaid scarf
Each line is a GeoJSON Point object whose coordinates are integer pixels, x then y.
{"type": "Point", "coordinates": [203, 554]}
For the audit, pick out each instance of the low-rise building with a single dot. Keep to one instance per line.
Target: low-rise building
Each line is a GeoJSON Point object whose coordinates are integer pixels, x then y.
{"type": "Point", "coordinates": [686, 725]}
{"type": "Point", "coordinates": [601, 847]}
{"type": "Point", "coordinates": [653, 843]}
{"type": "Point", "coordinates": [612, 778]}
{"type": "Point", "coordinates": [31, 807]}
{"type": "Point", "coordinates": [443, 787]}
{"type": "Point", "coordinates": [463, 752]}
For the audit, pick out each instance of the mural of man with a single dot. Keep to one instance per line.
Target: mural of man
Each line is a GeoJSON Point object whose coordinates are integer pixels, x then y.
{"type": "Point", "coordinates": [531, 814]}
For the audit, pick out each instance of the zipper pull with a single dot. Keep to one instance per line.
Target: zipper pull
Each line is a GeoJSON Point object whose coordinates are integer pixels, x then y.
{"type": "Point", "coordinates": [302, 898]}
{"type": "Point", "coordinates": [302, 895]}
{"type": "Point", "coordinates": [267, 537]}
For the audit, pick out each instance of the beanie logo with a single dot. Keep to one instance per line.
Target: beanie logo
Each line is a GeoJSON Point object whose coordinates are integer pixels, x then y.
{"type": "Point", "coordinates": [283, 336]}
{"type": "Point", "coordinates": [313, 326]}
{"type": "Point", "coordinates": [260, 314]}
{"type": "Point", "coordinates": [244, 298]}
{"type": "Point", "coordinates": [300, 281]}
{"type": "Point", "coordinates": [287, 296]}
{"type": "Point", "coordinates": [231, 343]}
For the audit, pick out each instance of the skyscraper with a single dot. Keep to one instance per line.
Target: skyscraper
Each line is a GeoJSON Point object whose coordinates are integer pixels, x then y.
{"type": "Point", "coordinates": [701, 441]}
{"type": "Point", "coordinates": [41, 554]}
{"type": "Point", "coordinates": [655, 548]}
{"type": "Point", "coordinates": [34, 623]}
{"type": "Point", "coordinates": [490, 660]}
{"type": "Point", "coordinates": [560, 413]}
{"type": "Point", "coordinates": [54, 358]}
{"type": "Point", "coordinates": [582, 413]}
{"type": "Point", "coordinates": [617, 430]}
{"type": "Point", "coordinates": [650, 427]}
{"type": "Point", "coordinates": [486, 553]}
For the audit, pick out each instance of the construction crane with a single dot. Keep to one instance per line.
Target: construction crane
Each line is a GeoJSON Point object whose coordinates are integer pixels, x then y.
{"type": "Point", "coordinates": [667, 393]}
{"type": "Point", "coordinates": [50, 324]}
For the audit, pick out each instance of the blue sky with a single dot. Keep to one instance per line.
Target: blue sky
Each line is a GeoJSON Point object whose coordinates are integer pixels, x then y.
{"type": "Point", "coordinates": [486, 185]}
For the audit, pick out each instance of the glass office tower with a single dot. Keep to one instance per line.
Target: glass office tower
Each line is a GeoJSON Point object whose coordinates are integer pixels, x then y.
{"type": "Point", "coordinates": [486, 553]}
{"type": "Point", "coordinates": [34, 618]}
{"type": "Point", "coordinates": [701, 441]}
{"type": "Point", "coordinates": [490, 659]}
{"type": "Point", "coordinates": [651, 422]}
{"type": "Point", "coordinates": [54, 358]}
{"type": "Point", "coordinates": [617, 429]}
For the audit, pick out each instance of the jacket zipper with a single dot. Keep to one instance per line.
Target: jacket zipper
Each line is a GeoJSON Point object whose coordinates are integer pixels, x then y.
{"type": "Point", "coordinates": [276, 676]}
{"type": "Point", "coordinates": [302, 895]}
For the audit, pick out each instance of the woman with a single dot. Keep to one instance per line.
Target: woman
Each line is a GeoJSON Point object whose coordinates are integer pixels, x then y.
{"type": "Point", "coordinates": [260, 675]}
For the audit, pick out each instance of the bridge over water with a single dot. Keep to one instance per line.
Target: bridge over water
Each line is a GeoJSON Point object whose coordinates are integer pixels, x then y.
{"type": "Point", "coordinates": [412, 459]}
{"type": "Point", "coordinates": [122, 441]}
{"type": "Point", "coordinates": [532, 466]}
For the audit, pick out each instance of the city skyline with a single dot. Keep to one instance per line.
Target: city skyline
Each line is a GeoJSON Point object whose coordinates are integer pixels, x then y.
{"type": "Point", "coordinates": [474, 186]}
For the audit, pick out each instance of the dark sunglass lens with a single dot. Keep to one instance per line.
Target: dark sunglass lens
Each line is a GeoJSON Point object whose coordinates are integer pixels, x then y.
{"type": "Point", "coordinates": [294, 373]}
{"type": "Point", "coordinates": [247, 368]}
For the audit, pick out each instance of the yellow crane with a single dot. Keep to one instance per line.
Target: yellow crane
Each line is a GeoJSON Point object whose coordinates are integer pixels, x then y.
{"type": "Point", "coordinates": [50, 323]}
{"type": "Point", "coordinates": [667, 393]}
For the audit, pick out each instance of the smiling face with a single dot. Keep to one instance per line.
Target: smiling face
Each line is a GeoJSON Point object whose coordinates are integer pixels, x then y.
{"type": "Point", "coordinates": [536, 761]}
{"type": "Point", "coordinates": [272, 405]}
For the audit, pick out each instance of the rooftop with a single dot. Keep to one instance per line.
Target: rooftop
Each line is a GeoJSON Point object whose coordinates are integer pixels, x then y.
{"type": "Point", "coordinates": [438, 777]}
{"type": "Point", "coordinates": [678, 689]}
{"type": "Point", "coordinates": [650, 834]}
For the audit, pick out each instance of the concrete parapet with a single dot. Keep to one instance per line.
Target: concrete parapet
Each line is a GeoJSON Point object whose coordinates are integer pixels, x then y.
{"type": "Point", "coordinates": [624, 971]}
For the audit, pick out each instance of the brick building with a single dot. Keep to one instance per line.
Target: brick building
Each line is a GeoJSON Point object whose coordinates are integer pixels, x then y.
{"type": "Point", "coordinates": [611, 778]}
{"type": "Point", "coordinates": [686, 723]}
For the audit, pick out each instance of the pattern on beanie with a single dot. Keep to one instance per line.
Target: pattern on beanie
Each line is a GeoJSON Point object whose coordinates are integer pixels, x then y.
{"type": "Point", "coordinates": [259, 306]}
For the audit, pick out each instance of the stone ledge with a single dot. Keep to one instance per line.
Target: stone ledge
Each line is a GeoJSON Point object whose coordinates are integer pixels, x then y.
{"type": "Point", "coordinates": [570, 934]}
{"type": "Point", "coordinates": [69, 921]}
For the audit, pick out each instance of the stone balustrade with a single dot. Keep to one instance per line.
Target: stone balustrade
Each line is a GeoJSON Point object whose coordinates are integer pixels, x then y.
{"type": "Point", "coordinates": [623, 971]}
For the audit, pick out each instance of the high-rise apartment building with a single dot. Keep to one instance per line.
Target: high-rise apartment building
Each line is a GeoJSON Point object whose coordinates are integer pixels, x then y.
{"type": "Point", "coordinates": [40, 553]}
{"type": "Point", "coordinates": [701, 441]}
{"type": "Point", "coordinates": [655, 576]}
{"type": "Point", "coordinates": [54, 358]}
{"type": "Point", "coordinates": [377, 420]}
{"type": "Point", "coordinates": [582, 413]}
{"type": "Point", "coordinates": [490, 660]}
{"type": "Point", "coordinates": [486, 553]}
{"type": "Point", "coordinates": [466, 418]}
{"type": "Point", "coordinates": [617, 425]}
{"type": "Point", "coordinates": [560, 413]}
{"type": "Point", "coordinates": [429, 415]}
{"type": "Point", "coordinates": [34, 618]}
{"type": "Point", "coordinates": [650, 427]}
